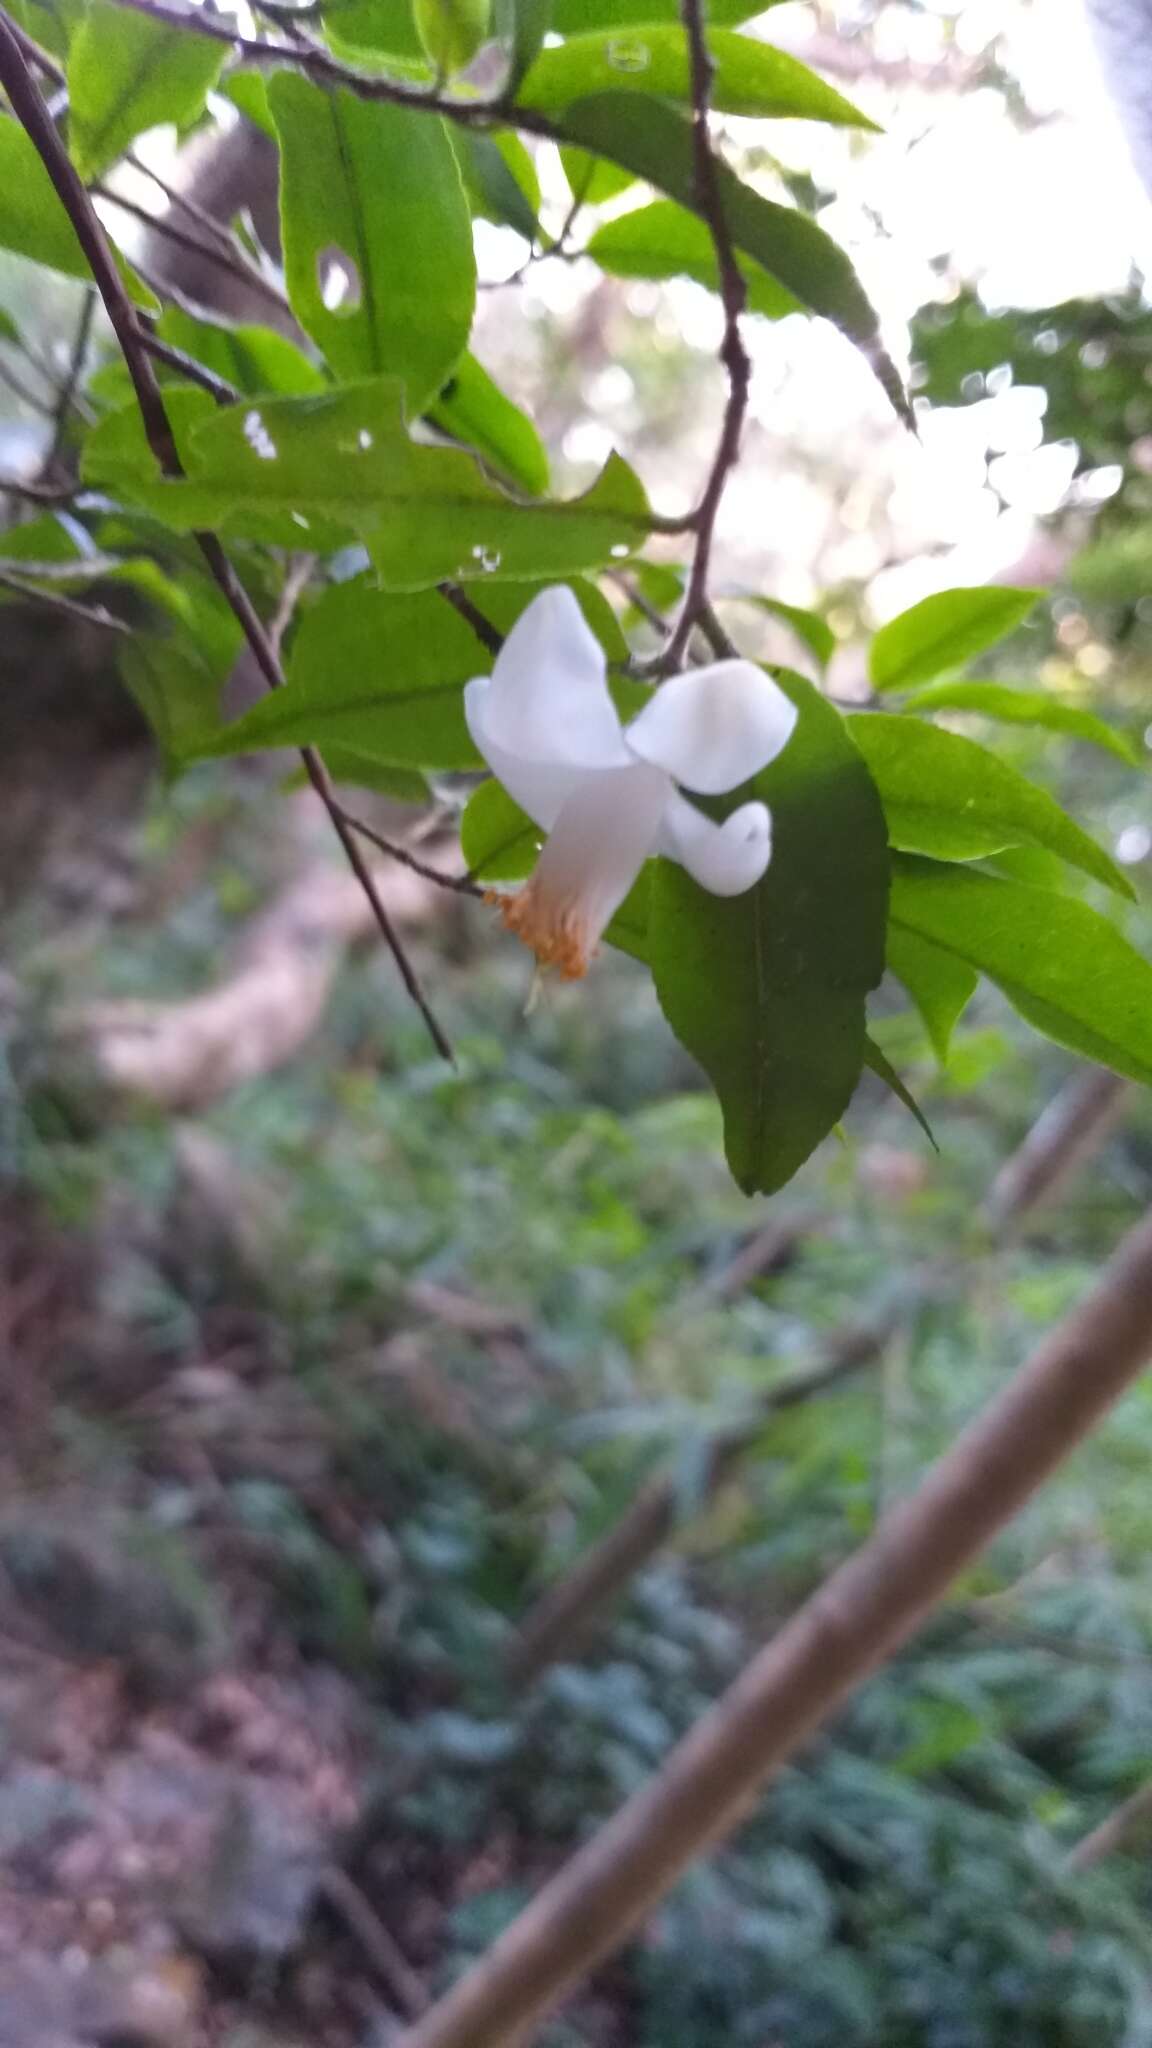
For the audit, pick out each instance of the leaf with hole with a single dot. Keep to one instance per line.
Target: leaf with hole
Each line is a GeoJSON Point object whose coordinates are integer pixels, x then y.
{"type": "Point", "coordinates": [949, 797]}
{"type": "Point", "coordinates": [1009, 706]}
{"type": "Point", "coordinates": [377, 235]}
{"type": "Point", "coordinates": [127, 73]}
{"type": "Point", "coordinates": [789, 245]}
{"type": "Point", "coordinates": [767, 990]}
{"type": "Point", "coordinates": [751, 77]}
{"type": "Point", "coordinates": [665, 240]}
{"type": "Point", "coordinates": [1064, 967]}
{"type": "Point", "coordinates": [317, 471]}
{"type": "Point", "coordinates": [943, 632]}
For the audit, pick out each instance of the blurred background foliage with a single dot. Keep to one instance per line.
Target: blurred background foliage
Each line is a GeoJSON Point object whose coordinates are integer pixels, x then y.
{"type": "Point", "coordinates": [310, 1392]}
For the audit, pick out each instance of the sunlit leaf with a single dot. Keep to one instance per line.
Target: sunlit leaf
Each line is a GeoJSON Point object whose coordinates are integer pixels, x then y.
{"type": "Point", "coordinates": [943, 632]}
{"type": "Point", "coordinates": [946, 796]}
{"type": "Point", "coordinates": [474, 410]}
{"type": "Point", "coordinates": [254, 359]}
{"type": "Point", "coordinates": [33, 222]}
{"type": "Point", "coordinates": [940, 985]}
{"type": "Point", "coordinates": [750, 77]}
{"type": "Point", "coordinates": [128, 72]}
{"type": "Point", "coordinates": [789, 245]}
{"type": "Point", "coordinates": [665, 240]}
{"type": "Point", "coordinates": [499, 840]}
{"type": "Point", "coordinates": [372, 206]}
{"type": "Point", "coordinates": [1066, 969]}
{"type": "Point", "coordinates": [1009, 706]}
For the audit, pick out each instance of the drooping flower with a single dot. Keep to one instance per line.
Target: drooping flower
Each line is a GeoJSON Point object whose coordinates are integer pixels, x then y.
{"type": "Point", "coordinates": [606, 794]}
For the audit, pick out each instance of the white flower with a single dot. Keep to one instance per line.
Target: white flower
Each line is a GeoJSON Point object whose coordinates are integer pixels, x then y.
{"type": "Point", "coordinates": [606, 794]}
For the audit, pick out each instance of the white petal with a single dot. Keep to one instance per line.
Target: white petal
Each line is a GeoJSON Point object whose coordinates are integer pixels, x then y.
{"type": "Point", "coordinates": [714, 727]}
{"type": "Point", "coordinates": [540, 787]}
{"type": "Point", "coordinates": [547, 697]}
{"type": "Point", "coordinates": [725, 859]}
{"type": "Point", "coordinates": [604, 834]}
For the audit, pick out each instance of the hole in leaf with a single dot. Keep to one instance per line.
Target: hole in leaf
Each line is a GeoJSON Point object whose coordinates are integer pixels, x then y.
{"type": "Point", "coordinates": [338, 280]}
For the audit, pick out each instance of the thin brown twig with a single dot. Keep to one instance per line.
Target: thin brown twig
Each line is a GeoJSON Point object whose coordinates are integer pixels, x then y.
{"type": "Point", "coordinates": [395, 1972]}
{"type": "Point", "coordinates": [182, 238]}
{"type": "Point", "coordinates": [183, 202]}
{"type": "Point", "coordinates": [66, 396]}
{"type": "Point", "coordinates": [733, 354]}
{"type": "Point", "coordinates": [483, 628]}
{"type": "Point", "coordinates": [195, 373]}
{"type": "Point", "coordinates": [56, 601]}
{"type": "Point", "coordinates": [29, 108]}
{"type": "Point", "coordinates": [38, 493]}
{"type": "Point", "coordinates": [463, 885]}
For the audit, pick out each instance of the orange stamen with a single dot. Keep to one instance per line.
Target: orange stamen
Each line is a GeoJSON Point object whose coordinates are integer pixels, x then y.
{"type": "Point", "coordinates": [557, 934]}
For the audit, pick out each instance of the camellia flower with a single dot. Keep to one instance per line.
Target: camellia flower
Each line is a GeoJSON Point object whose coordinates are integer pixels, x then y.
{"type": "Point", "coordinates": [605, 793]}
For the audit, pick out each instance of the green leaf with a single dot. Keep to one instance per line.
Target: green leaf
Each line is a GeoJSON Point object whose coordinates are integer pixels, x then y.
{"type": "Point", "coordinates": [940, 985]}
{"type": "Point", "coordinates": [950, 798]}
{"type": "Point", "coordinates": [378, 674]}
{"type": "Point", "coordinates": [814, 632]}
{"type": "Point", "coordinates": [521, 26]}
{"type": "Point", "coordinates": [403, 785]}
{"type": "Point", "coordinates": [592, 181]}
{"type": "Point", "coordinates": [473, 409]}
{"type": "Point", "coordinates": [1010, 706]}
{"type": "Point", "coordinates": [499, 840]}
{"type": "Point", "coordinates": [127, 73]}
{"type": "Point", "coordinates": [787, 243]}
{"type": "Point", "coordinates": [372, 193]}
{"type": "Point", "coordinates": [294, 469]}
{"type": "Point", "coordinates": [1066, 969]}
{"type": "Point", "coordinates": [451, 31]}
{"type": "Point", "coordinates": [8, 328]}
{"type": "Point", "coordinates": [384, 27]}
{"type": "Point", "coordinates": [383, 676]}
{"type": "Point", "coordinates": [767, 990]}
{"type": "Point", "coordinates": [51, 23]}
{"type": "Point", "coordinates": [750, 77]}
{"type": "Point", "coordinates": [878, 1063]}
{"type": "Point", "coordinates": [255, 359]}
{"type": "Point", "coordinates": [576, 17]}
{"type": "Point", "coordinates": [943, 632]}
{"type": "Point", "coordinates": [33, 221]}
{"type": "Point", "coordinates": [248, 91]}
{"type": "Point", "coordinates": [665, 240]}
{"type": "Point", "coordinates": [500, 180]}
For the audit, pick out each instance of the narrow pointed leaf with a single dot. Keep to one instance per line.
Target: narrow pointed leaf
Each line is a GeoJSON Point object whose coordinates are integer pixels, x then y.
{"type": "Point", "coordinates": [1066, 969]}
{"type": "Point", "coordinates": [940, 985]}
{"type": "Point", "coordinates": [473, 409]}
{"type": "Point", "coordinates": [949, 797]}
{"type": "Point", "coordinates": [665, 240]}
{"type": "Point", "coordinates": [751, 77]}
{"type": "Point", "coordinates": [789, 245]}
{"type": "Point", "coordinates": [878, 1063]}
{"type": "Point", "coordinates": [943, 632]}
{"type": "Point", "coordinates": [1009, 706]}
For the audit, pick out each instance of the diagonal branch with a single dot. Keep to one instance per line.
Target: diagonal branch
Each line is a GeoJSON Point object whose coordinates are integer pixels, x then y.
{"type": "Point", "coordinates": [30, 109]}
{"type": "Point", "coordinates": [862, 1614]}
